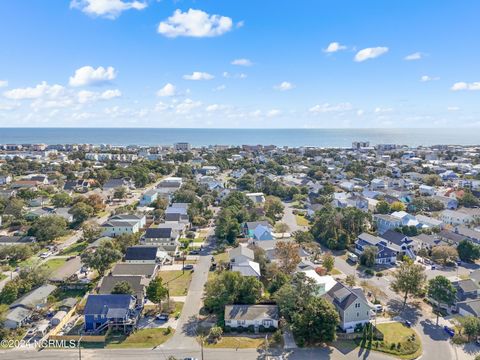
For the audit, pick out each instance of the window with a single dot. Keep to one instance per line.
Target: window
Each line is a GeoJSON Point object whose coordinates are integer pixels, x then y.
{"type": "Point", "coordinates": [358, 314]}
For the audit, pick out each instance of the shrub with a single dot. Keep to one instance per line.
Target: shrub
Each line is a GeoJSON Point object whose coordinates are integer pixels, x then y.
{"type": "Point", "coordinates": [379, 274]}
{"type": "Point", "coordinates": [251, 329]}
{"type": "Point", "coordinates": [215, 334]}
{"type": "Point", "coordinates": [369, 272]}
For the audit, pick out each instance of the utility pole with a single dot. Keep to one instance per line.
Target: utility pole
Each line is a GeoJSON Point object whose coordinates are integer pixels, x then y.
{"type": "Point", "coordinates": [201, 345]}
{"type": "Point", "coordinates": [80, 348]}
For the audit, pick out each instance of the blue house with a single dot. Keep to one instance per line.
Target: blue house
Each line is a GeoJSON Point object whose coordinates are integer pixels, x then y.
{"type": "Point", "coordinates": [148, 197]}
{"type": "Point", "coordinates": [262, 232]}
{"type": "Point", "coordinates": [110, 311]}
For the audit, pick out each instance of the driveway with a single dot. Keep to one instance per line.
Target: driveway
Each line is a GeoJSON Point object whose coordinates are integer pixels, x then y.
{"type": "Point", "coordinates": [185, 335]}
{"type": "Point", "coordinates": [289, 218]}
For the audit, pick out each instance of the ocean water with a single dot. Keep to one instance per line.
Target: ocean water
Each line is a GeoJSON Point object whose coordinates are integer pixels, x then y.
{"type": "Point", "coordinates": [201, 137]}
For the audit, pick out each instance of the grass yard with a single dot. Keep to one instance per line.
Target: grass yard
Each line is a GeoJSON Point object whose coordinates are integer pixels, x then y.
{"type": "Point", "coordinates": [399, 341]}
{"type": "Point", "coordinates": [54, 264]}
{"type": "Point", "coordinates": [335, 271]}
{"type": "Point", "coordinates": [2, 276]}
{"type": "Point", "coordinates": [240, 342]}
{"type": "Point", "coordinates": [75, 249]}
{"type": "Point", "coordinates": [221, 257]}
{"type": "Point", "coordinates": [178, 281]}
{"type": "Point", "coordinates": [301, 221]}
{"type": "Point", "coordinates": [144, 338]}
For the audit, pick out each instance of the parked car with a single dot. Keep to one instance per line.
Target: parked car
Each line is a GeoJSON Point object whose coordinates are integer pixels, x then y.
{"type": "Point", "coordinates": [188, 267]}
{"type": "Point", "coordinates": [194, 252]}
{"type": "Point", "coordinates": [378, 308]}
{"type": "Point", "coordinates": [449, 331]}
{"type": "Point", "coordinates": [408, 323]}
{"type": "Point", "coordinates": [162, 317]}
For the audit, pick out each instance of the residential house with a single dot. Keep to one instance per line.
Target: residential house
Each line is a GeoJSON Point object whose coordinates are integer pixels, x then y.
{"type": "Point", "coordinates": [34, 299]}
{"type": "Point", "coordinates": [123, 224]}
{"type": "Point", "coordinates": [114, 311]}
{"type": "Point", "coordinates": [137, 283]}
{"type": "Point", "coordinates": [258, 316]}
{"type": "Point", "coordinates": [241, 254]}
{"type": "Point", "coordinates": [17, 317]}
{"type": "Point", "coordinates": [164, 237]}
{"type": "Point", "coordinates": [455, 217]}
{"type": "Point", "coordinates": [148, 271]}
{"type": "Point", "coordinates": [449, 203]}
{"type": "Point", "coordinates": [386, 254]}
{"type": "Point", "coordinates": [262, 232]}
{"type": "Point", "coordinates": [469, 307]}
{"type": "Point", "coordinates": [351, 305]}
{"type": "Point", "coordinates": [426, 190]}
{"type": "Point", "coordinates": [324, 283]}
{"type": "Point", "coordinates": [148, 197]}
{"type": "Point", "coordinates": [247, 268]}
{"type": "Point", "coordinates": [400, 243]}
{"type": "Point", "coordinates": [140, 254]}
{"type": "Point", "coordinates": [385, 222]}
{"type": "Point", "coordinates": [16, 240]}
{"type": "Point", "coordinates": [257, 198]}
{"type": "Point", "coordinates": [249, 227]}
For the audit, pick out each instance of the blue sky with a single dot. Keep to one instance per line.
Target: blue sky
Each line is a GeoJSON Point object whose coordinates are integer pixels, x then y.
{"type": "Point", "coordinates": [239, 63]}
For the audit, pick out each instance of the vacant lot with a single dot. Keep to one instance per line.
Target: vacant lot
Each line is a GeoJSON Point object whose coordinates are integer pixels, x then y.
{"type": "Point", "coordinates": [54, 264]}
{"type": "Point", "coordinates": [237, 342]}
{"type": "Point", "coordinates": [177, 280]}
{"type": "Point", "coordinates": [145, 338]}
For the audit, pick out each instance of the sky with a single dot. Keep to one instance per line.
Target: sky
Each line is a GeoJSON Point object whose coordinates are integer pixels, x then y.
{"type": "Point", "coordinates": [240, 63]}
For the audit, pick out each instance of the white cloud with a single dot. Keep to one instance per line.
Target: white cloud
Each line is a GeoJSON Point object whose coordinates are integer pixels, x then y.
{"type": "Point", "coordinates": [87, 75]}
{"type": "Point", "coordinates": [426, 78]}
{"type": "Point", "coordinates": [360, 112]}
{"type": "Point", "coordinates": [414, 56]}
{"type": "Point", "coordinates": [3, 83]}
{"type": "Point", "coordinates": [380, 110]}
{"type": "Point", "coordinates": [465, 86]}
{"type": "Point", "coordinates": [284, 86]}
{"type": "Point", "coordinates": [370, 53]}
{"type": "Point", "coordinates": [194, 23]}
{"type": "Point", "coordinates": [41, 90]}
{"type": "Point", "coordinates": [168, 90]}
{"type": "Point", "coordinates": [197, 75]}
{"type": "Point", "coordinates": [326, 108]}
{"type": "Point", "coordinates": [220, 88]}
{"type": "Point", "coordinates": [109, 9]}
{"type": "Point", "coordinates": [215, 107]}
{"type": "Point", "coordinates": [242, 62]}
{"type": "Point", "coordinates": [453, 108]}
{"type": "Point", "coordinates": [334, 47]}
{"type": "Point", "coordinates": [85, 96]}
{"type": "Point", "coordinates": [186, 106]}
{"type": "Point", "coordinates": [273, 113]}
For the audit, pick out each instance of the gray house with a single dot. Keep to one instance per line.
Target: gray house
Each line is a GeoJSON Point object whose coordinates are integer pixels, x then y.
{"type": "Point", "coordinates": [351, 304]}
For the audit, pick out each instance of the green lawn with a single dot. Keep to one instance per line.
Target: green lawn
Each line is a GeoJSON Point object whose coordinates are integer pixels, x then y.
{"type": "Point", "coordinates": [2, 276]}
{"type": "Point", "coordinates": [240, 342]}
{"type": "Point", "coordinates": [335, 271]}
{"type": "Point", "coordinates": [301, 221]}
{"type": "Point", "coordinates": [54, 264]}
{"type": "Point", "coordinates": [75, 249]}
{"type": "Point", "coordinates": [399, 341]}
{"type": "Point", "coordinates": [221, 257]}
{"type": "Point", "coordinates": [178, 281]}
{"type": "Point", "coordinates": [144, 338]}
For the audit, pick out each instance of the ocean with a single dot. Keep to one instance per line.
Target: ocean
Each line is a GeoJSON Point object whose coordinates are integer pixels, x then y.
{"type": "Point", "coordinates": [201, 137]}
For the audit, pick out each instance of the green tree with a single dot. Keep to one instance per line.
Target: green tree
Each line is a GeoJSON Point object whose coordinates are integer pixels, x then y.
{"type": "Point", "coordinates": [432, 180]}
{"type": "Point", "coordinates": [368, 256]}
{"type": "Point", "coordinates": [122, 287]}
{"type": "Point", "coordinates": [316, 323]}
{"type": "Point", "coordinates": [287, 255]}
{"type": "Point", "coordinates": [81, 212]}
{"type": "Point", "coordinates": [102, 258]}
{"type": "Point", "coordinates": [303, 237]}
{"type": "Point", "coordinates": [273, 207]}
{"type": "Point", "coordinates": [9, 293]}
{"type": "Point", "coordinates": [156, 291]}
{"type": "Point", "coordinates": [471, 326]}
{"type": "Point", "coordinates": [230, 287]}
{"type": "Point", "coordinates": [442, 291]}
{"type": "Point", "coordinates": [444, 254]}
{"type": "Point", "coordinates": [91, 231]}
{"type": "Point", "coordinates": [382, 207]}
{"type": "Point", "coordinates": [281, 228]}
{"type": "Point", "coordinates": [408, 279]}
{"type": "Point", "coordinates": [328, 261]}
{"type": "Point", "coordinates": [61, 199]}
{"type": "Point", "coordinates": [119, 192]}
{"type": "Point", "coordinates": [48, 228]}
{"type": "Point", "coordinates": [468, 251]}
{"type": "Point", "coordinates": [123, 241]}
{"type": "Point", "coordinates": [397, 206]}
{"type": "Point", "coordinates": [469, 200]}
{"type": "Point", "coordinates": [15, 208]}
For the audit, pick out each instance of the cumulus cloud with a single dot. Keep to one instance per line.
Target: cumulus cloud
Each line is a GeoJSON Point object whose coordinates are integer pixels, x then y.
{"type": "Point", "coordinates": [194, 23]}
{"type": "Point", "coordinates": [87, 75]}
{"type": "Point", "coordinates": [186, 106]}
{"type": "Point", "coordinates": [168, 90]}
{"type": "Point", "coordinates": [220, 88]}
{"type": "Point", "coordinates": [40, 90]}
{"type": "Point", "coordinates": [284, 86]}
{"type": "Point", "coordinates": [198, 75]}
{"type": "Point", "coordinates": [110, 9]}
{"type": "Point", "coordinates": [426, 78]}
{"type": "Point", "coordinates": [242, 62]}
{"type": "Point", "coordinates": [3, 83]}
{"type": "Point", "coordinates": [465, 86]}
{"type": "Point", "coordinates": [273, 113]}
{"type": "Point", "coordinates": [370, 53]}
{"type": "Point", "coordinates": [453, 108]}
{"type": "Point", "coordinates": [326, 108]}
{"type": "Point", "coordinates": [334, 47]}
{"type": "Point", "coordinates": [380, 110]}
{"type": "Point", "coordinates": [85, 96]}
{"type": "Point", "coordinates": [414, 56]}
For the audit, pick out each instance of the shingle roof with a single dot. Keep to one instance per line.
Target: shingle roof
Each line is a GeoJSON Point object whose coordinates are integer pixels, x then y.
{"type": "Point", "coordinates": [251, 312]}
{"type": "Point", "coordinates": [137, 282]}
{"type": "Point", "coordinates": [155, 233]}
{"type": "Point", "coordinates": [141, 253]}
{"type": "Point", "coordinates": [101, 304]}
{"type": "Point", "coordinates": [34, 297]}
{"type": "Point", "coordinates": [134, 269]}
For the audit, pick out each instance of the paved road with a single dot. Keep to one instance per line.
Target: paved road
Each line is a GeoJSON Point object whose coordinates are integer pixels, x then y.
{"type": "Point", "coordinates": [185, 334]}
{"type": "Point", "coordinates": [289, 218]}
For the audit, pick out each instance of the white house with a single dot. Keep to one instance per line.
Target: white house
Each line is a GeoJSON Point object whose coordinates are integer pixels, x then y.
{"type": "Point", "coordinates": [243, 316]}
